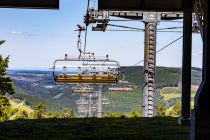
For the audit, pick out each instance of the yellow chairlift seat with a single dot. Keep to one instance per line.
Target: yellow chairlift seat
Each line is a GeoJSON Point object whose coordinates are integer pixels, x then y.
{"type": "Point", "coordinates": [121, 86]}
{"type": "Point", "coordinates": [64, 79]}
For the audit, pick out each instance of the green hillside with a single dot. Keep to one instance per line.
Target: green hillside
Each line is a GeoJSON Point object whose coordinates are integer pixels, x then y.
{"type": "Point", "coordinates": [33, 87]}
{"type": "Point", "coordinates": [123, 101]}
{"type": "Point", "coordinates": [164, 76]}
{"type": "Point", "coordinates": [33, 101]}
{"type": "Point", "coordinates": [20, 106]}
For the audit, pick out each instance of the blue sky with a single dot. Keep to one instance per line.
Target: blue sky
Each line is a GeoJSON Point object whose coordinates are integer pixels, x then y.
{"type": "Point", "coordinates": [35, 38]}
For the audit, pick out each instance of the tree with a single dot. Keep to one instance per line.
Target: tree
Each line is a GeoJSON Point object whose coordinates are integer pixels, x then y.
{"type": "Point", "coordinates": [176, 110]}
{"type": "Point", "coordinates": [161, 110]}
{"type": "Point", "coordinates": [106, 114]}
{"type": "Point", "coordinates": [4, 106]}
{"type": "Point", "coordinates": [54, 115]}
{"type": "Point", "coordinates": [112, 115]}
{"type": "Point", "coordinates": [135, 113]}
{"type": "Point", "coordinates": [5, 109]}
{"type": "Point", "coordinates": [22, 114]}
{"type": "Point", "coordinates": [39, 111]}
{"type": "Point", "coordinates": [6, 83]}
{"type": "Point", "coordinates": [116, 115]}
{"type": "Point", "coordinates": [68, 113]}
{"type": "Point", "coordinates": [2, 42]}
{"type": "Point", "coordinates": [6, 87]}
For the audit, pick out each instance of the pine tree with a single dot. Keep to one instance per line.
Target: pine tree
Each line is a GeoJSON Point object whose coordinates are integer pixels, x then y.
{"type": "Point", "coordinates": [6, 84]}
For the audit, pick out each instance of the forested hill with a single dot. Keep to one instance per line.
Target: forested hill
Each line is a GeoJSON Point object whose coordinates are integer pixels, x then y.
{"type": "Point", "coordinates": [38, 87]}
{"type": "Point", "coordinates": [165, 76]}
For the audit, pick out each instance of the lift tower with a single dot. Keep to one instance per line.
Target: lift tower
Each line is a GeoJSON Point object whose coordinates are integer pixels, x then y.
{"type": "Point", "coordinates": [150, 20]}
{"type": "Point", "coordinates": [149, 86]}
{"type": "Point", "coordinates": [99, 114]}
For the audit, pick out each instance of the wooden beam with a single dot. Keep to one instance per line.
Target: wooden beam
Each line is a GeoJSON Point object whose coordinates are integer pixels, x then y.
{"type": "Point", "coordinates": [31, 4]}
{"type": "Point", "coordinates": [143, 5]}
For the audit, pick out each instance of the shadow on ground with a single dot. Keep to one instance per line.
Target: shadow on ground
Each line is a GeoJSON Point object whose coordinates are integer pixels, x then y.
{"type": "Point", "coordinates": [107, 128]}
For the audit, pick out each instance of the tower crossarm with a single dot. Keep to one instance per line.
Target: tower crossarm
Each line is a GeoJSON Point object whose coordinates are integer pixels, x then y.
{"type": "Point", "coordinates": [138, 15]}
{"type": "Point", "coordinates": [141, 15]}
{"type": "Point", "coordinates": [171, 15]}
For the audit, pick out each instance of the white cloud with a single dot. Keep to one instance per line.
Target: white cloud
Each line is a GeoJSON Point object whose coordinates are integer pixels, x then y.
{"type": "Point", "coordinates": [17, 33]}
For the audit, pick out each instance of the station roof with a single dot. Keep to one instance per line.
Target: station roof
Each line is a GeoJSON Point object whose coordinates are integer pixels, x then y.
{"type": "Point", "coordinates": [141, 5]}
{"type": "Point", "coordinates": [32, 4]}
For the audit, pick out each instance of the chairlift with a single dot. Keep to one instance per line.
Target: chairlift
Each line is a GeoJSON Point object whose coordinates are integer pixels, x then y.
{"type": "Point", "coordinates": [120, 89]}
{"type": "Point", "coordinates": [86, 70]}
{"type": "Point", "coordinates": [82, 89]}
{"type": "Point", "coordinates": [121, 86]}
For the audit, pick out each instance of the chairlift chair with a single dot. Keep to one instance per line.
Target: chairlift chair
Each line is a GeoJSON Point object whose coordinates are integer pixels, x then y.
{"type": "Point", "coordinates": [82, 89]}
{"type": "Point", "coordinates": [121, 86]}
{"type": "Point", "coordinates": [86, 70]}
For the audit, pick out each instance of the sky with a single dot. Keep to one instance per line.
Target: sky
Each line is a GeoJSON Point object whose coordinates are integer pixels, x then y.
{"type": "Point", "coordinates": [35, 38]}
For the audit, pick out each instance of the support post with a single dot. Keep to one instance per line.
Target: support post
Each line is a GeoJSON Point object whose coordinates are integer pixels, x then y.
{"type": "Point", "coordinates": [200, 117]}
{"type": "Point", "coordinates": [184, 119]}
{"type": "Point", "coordinates": [99, 102]}
{"type": "Point", "coordinates": [90, 105]}
{"type": "Point", "coordinates": [149, 87]}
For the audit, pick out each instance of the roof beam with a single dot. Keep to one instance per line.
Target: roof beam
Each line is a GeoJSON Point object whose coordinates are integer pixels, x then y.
{"type": "Point", "coordinates": [140, 5]}
{"type": "Point", "coordinates": [31, 4]}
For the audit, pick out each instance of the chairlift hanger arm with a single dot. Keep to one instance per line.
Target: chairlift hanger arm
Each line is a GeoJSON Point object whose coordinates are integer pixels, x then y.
{"type": "Point", "coordinates": [80, 29]}
{"type": "Point", "coordinates": [88, 60]}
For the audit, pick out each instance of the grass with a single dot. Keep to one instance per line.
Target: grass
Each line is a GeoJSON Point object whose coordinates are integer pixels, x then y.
{"type": "Point", "coordinates": [167, 97]}
{"type": "Point", "coordinates": [106, 128]}
{"type": "Point", "coordinates": [175, 92]}
{"type": "Point", "coordinates": [21, 107]}
{"type": "Point", "coordinates": [16, 104]}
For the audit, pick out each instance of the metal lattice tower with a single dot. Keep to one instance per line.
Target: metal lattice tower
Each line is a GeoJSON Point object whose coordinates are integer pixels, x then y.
{"type": "Point", "coordinates": [90, 105]}
{"type": "Point", "coordinates": [150, 19]}
{"type": "Point", "coordinates": [99, 115]}
{"type": "Point", "coordinates": [149, 87]}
